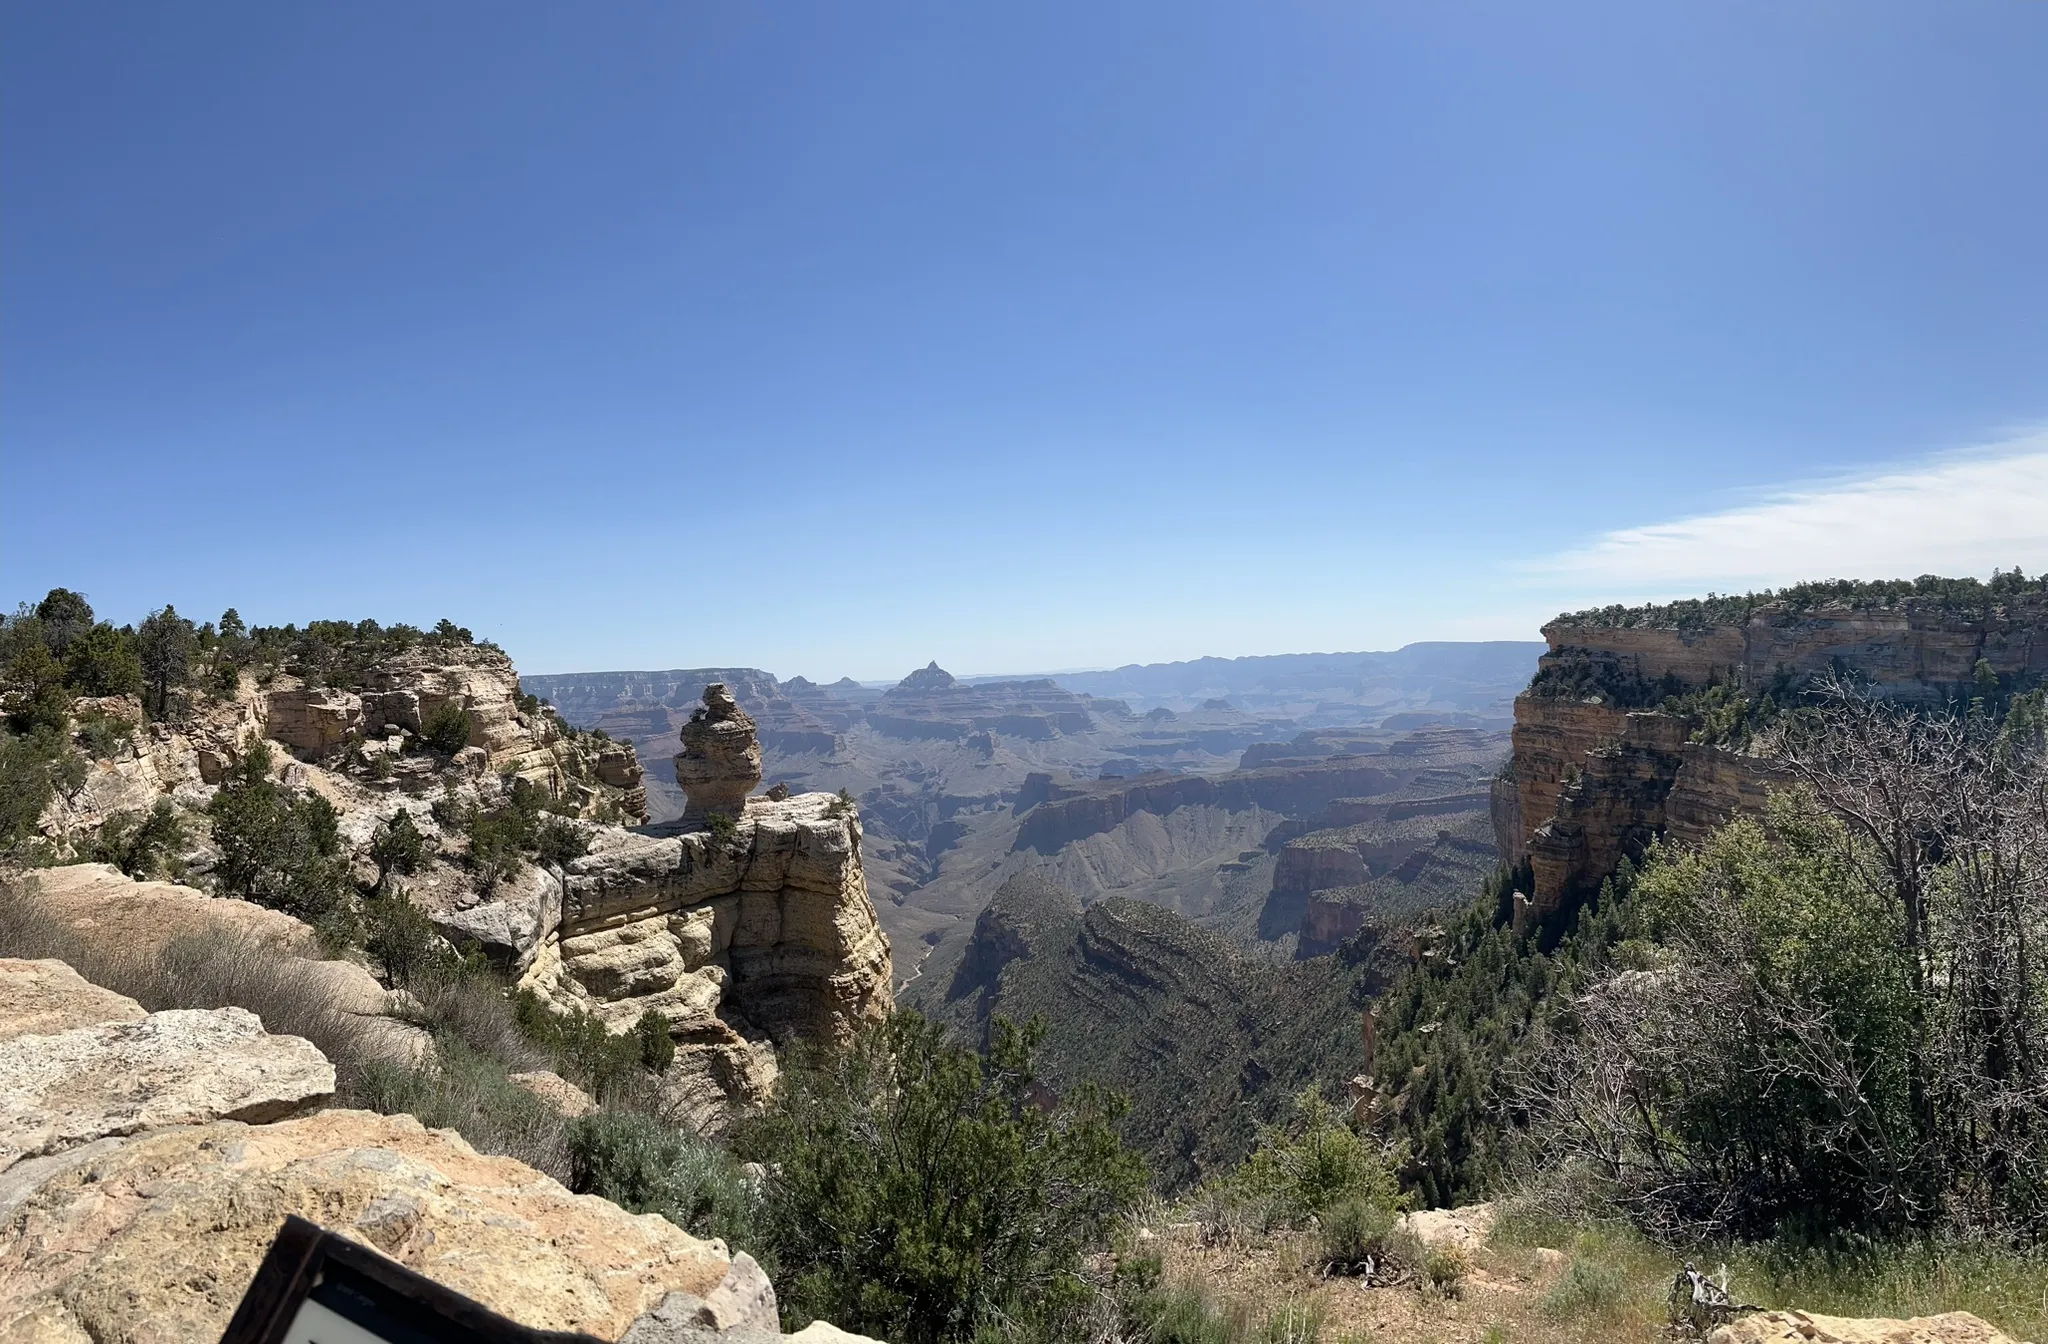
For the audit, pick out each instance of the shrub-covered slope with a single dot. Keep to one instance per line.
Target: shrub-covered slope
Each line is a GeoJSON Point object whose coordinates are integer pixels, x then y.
{"type": "Point", "coordinates": [1204, 1038]}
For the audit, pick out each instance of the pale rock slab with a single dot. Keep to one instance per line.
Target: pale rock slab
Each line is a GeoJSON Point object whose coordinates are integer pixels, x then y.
{"type": "Point", "coordinates": [41, 998]}
{"type": "Point", "coordinates": [179, 1067]}
{"type": "Point", "coordinates": [100, 901]}
{"type": "Point", "coordinates": [1465, 1229]}
{"type": "Point", "coordinates": [557, 1091]}
{"type": "Point", "coordinates": [1799, 1327]}
{"type": "Point", "coordinates": [153, 1239]}
{"type": "Point", "coordinates": [741, 1307]}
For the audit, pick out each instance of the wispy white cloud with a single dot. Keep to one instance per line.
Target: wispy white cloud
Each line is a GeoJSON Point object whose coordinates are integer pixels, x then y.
{"type": "Point", "coordinates": [1960, 513]}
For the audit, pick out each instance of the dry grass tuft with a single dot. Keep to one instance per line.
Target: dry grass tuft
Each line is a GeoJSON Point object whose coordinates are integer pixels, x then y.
{"type": "Point", "coordinates": [460, 1084]}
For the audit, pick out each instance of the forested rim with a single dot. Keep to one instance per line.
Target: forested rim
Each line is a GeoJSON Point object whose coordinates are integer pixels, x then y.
{"type": "Point", "coordinates": [1962, 595]}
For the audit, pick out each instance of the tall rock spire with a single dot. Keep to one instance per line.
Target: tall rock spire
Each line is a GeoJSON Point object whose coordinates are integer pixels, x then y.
{"type": "Point", "coordinates": [721, 758]}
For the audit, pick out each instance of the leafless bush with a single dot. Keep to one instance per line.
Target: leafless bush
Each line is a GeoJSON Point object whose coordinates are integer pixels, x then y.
{"type": "Point", "coordinates": [1842, 1014]}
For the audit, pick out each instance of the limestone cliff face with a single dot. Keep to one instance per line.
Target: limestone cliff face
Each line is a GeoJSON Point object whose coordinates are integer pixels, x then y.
{"type": "Point", "coordinates": [1914, 649]}
{"type": "Point", "coordinates": [765, 935]}
{"type": "Point", "coordinates": [1591, 780]}
{"type": "Point", "coordinates": [1610, 802]}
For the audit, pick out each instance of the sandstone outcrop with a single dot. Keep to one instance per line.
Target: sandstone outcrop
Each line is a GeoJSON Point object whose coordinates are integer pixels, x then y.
{"type": "Point", "coordinates": [557, 1091]}
{"type": "Point", "coordinates": [145, 1165]}
{"type": "Point", "coordinates": [362, 746]}
{"type": "Point", "coordinates": [102, 904]}
{"type": "Point", "coordinates": [141, 921]}
{"type": "Point", "coordinates": [1598, 770]}
{"type": "Point", "coordinates": [179, 1067]}
{"type": "Point", "coordinates": [314, 720]}
{"type": "Point", "coordinates": [766, 934]}
{"type": "Point", "coordinates": [1799, 1327]}
{"type": "Point", "coordinates": [720, 763]}
{"type": "Point", "coordinates": [154, 1238]}
{"type": "Point", "coordinates": [1465, 1228]}
{"type": "Point", "coordinates": [40, 998]}
{"type": "Point", "coordinates": [99, 901]}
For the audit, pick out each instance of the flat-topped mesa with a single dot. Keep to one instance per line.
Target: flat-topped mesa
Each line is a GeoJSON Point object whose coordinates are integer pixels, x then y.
{"type": "Point", "coordinates": [720, 762]}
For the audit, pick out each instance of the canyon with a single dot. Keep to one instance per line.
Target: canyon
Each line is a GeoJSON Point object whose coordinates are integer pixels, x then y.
{"type": "Point", "coordinates": [1166, 791]}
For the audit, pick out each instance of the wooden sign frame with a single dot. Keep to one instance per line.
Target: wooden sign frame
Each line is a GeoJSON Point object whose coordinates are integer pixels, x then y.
{"type": "Point", "coordinates": [319, 1288]}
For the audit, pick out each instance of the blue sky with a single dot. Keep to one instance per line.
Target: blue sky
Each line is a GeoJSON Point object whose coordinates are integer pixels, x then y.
{"type": "Point", "coordinates": [834, 338]}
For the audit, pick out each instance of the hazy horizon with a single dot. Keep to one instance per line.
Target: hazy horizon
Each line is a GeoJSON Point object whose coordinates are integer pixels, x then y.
{"type": "Point", "coordinates": [1018, 676]}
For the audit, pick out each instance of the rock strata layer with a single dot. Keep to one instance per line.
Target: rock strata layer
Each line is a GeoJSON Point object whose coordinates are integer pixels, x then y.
{"type": "Point", "coordinates": [1595, 777]}
{"type": "Point", "coordinates": [765, 934]}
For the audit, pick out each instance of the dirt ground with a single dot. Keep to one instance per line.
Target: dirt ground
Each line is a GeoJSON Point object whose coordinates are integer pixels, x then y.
{"type": "Point", "coordinates": [1510, 1295]}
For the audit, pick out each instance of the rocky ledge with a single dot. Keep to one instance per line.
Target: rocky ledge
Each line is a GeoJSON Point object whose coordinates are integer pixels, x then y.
{"type": "Point", "coordinates": [149, 1159]}
{"type": "Point", "coordinates": [739, 938]}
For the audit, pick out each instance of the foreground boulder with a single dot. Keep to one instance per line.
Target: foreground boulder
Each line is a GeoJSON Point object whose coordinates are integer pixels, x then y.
{"type": "Point", "coordinates": [38, 998]}
{"type": "Point", "coordinates": [154, 1238]}
{"type": "Point", "coordinates": [1463, 1229]}
{"type": "Point", "coordinates": [1799, 1327]}
{"type": "Point", "coordinates": [178, 1067]}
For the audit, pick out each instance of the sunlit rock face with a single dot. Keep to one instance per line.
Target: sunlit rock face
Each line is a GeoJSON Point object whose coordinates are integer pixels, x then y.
{"type": "Point", "coordinates": [1593, 778]}
{"type": "Point", "coordinates": [739, 939]}
{"type": "Point", "coordinates": [720, 763]}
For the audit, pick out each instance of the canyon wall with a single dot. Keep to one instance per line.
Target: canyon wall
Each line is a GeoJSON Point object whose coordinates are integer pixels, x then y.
{"type": "Point", "coordinates": [747, 925]}
{"type": "Point", "coordinates": [1593, 778]}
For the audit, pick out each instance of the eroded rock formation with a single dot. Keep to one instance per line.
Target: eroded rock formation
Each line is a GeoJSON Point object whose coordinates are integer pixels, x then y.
{"type": "Point", "coordinates": [720, 763]}
{"type": "Point", "coordinates": [766, 934]}
{"type": "Point", "coordinates": [364, 748]}
{"type": "Point", "coordinates": [1599, 769]}
{"type": "Point", "coordinates": [739, 937]}
{"type": "Point", "coordinates": [132, 1212]}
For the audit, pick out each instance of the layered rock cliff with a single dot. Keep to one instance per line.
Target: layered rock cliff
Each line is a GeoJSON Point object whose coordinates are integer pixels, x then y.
{"type": "Point", "coordinates": [738, 940]}
{"type": "Point", "coordinates": [1610, 747]}
{"type": "Point", "coordinates": [747, 923]}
